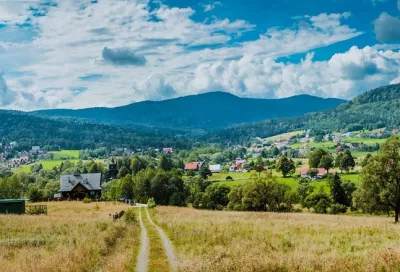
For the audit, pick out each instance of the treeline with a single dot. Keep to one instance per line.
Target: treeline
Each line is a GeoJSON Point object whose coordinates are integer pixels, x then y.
{"type": "Point", "coordinates": [76, 134]}
{"type": "Point", "coordinates": [375, 109]}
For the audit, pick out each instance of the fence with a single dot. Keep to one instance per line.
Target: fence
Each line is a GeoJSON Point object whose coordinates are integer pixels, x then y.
{"type": "Point", "coordinates": [36, 209]}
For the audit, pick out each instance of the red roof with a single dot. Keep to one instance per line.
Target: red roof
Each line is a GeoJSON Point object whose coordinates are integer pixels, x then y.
{"type": "Point", "coordinates": [304, 171]}
{"type": "Point", "coordinates": [191, 166]}
{"type": "Point", "coordinates": [321, 171]}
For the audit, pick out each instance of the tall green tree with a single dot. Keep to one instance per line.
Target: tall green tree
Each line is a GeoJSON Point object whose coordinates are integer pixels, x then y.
{"type": "Point", "coordinates": [326, 162]}
{"type": "Point", "coordinates": [315, 157]}
{"type": "Point", "coordinates": [347, 162]}
{"type": "Point", "coordinates": [380, 180]}
{"type": "Point", "coordinates": [122, 172]}
{"type": "Point", "coordinates": [165, 163]}
{"type": "Point", "coordinates": [259, 165]}
{"type": "Point", "coordinates": [337, 192]}
{"type": "Point", "coordinates": [285, 166]}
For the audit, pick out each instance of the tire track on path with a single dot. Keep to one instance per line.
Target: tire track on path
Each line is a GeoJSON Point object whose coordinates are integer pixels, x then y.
{"type": "Point", "coordinates": [143, 257]}
{"type": "Point", "coordinates": [169, 248]}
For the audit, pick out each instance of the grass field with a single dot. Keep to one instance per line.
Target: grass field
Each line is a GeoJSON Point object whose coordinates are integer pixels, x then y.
{"type": "Point", "coordinates": [71, 154]}
{"type": "Point", "coordinates": [59, 156]}
{"type": "Point", "coordinates": [73, 237]}
{"type": "Point", "coordinates": [240, 241]}
{"type": "Point", "coordinates": [284, 135]}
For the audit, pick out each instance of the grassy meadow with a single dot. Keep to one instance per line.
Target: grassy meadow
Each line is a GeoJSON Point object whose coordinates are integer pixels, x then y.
{"type": "Point", "coordinates": [59, 156]}
{"type": "Point", "coordinates": [245, 241]}
{"type": "Point", "coordinates": [73, 237]}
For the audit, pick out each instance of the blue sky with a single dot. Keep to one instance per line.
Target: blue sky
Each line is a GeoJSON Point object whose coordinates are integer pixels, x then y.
{"type": "Point", "coordinates": [86, 53]}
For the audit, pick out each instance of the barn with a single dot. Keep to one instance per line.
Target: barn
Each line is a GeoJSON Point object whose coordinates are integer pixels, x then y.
{"type": "Point", "coordinates": [16, 206]}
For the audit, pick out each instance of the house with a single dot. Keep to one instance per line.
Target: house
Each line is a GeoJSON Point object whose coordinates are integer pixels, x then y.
{"type": "Point", "coordinates": [215, 168]}
{"type": "Point", "coordinates": [305, 173]}
{"type": "Point", "coordinates": [256, 155]}
{"type": "Point", "coordinates": [79, 186]}
{"type": "Point", "coordinates": [337, 139]}
{"type": "Point", "coordinates": [354, 146]}
{"type": "Point", "coordinates": [340, 149]}
{"type": "Point", "coordinates": [35, 149]}
{"type": "Point", "coordinates": [195, 166]}
{"type": "Point", "coordinates": [13, 144]}
{"type": "Point", "coordinates": [167, 150]}
{"type": "Point", "coordinates": [395, 131]}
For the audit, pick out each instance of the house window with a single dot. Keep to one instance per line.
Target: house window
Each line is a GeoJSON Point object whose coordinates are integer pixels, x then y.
{"type": "Point", "coordinates": [91, 193]}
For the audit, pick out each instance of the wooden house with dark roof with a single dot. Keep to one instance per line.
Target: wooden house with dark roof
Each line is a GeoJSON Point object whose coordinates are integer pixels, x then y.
{"type": "Point", "coordinates": [79, 186]}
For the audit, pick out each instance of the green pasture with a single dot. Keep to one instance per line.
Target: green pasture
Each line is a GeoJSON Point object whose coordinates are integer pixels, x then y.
{"type": "Point", "coordinates": [71, 154]}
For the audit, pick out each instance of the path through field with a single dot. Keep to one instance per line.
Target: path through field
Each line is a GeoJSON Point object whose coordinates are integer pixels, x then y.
{"type": "Point", "coordinates": [143, 258]}
{"type": "Point", "coordinates": [169, 249]}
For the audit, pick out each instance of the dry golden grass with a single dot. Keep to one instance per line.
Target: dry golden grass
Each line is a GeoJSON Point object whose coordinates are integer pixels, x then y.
{"type": "Point", "coordinates": [73, 237]}
{"type": "Point", "coordinates": [234, 241]}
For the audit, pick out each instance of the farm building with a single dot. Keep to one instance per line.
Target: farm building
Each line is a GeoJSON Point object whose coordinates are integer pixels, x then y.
{"type": "Point", "coordinates": [79, 186]}
{"type": "Point", "coordinates": [16, 206]}
{"type": "Point", "coordinates": [215, 168]}
{"type": "Point", "coordinates": [195, 166]}
{"type": "Point", "coordinates": [305, 173]}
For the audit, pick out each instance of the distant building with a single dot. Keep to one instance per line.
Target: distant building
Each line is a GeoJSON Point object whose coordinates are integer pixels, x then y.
{"type": "Point", "coordinates": [215, 168]}
{"type": "Point", "coordinates": [112, 169]}
{"type": "Point", "coordinates": [79, 186]}
{"type": "Point", "coordinates": [35, 148]}
{"type": "Point", "coordinates": [354, 146]}
{"type": "Point", "coordinates": [167, 150]}
{"type": "Point", "coordinates": [339, 148]}
{"type": "Point", "coordinates": [395, 131]}
{"type": "Point", "coordinates": [195, 166]}
{"type": "Point", "coordinates": [305, 173]}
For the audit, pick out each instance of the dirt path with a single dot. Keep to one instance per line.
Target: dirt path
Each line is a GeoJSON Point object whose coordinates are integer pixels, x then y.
{"type": "Point", "coordinates": [169, 249]}
{"type": "Point", "coordinates": [143, 258]}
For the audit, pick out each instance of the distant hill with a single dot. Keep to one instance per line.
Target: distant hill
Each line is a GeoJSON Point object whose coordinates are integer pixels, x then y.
{"type": "Point", "coordinates": [206, 112]}
{"type": "Point", "coordinates": [377, 108]}
{"type": "Point", "coordinates": [69, 133]}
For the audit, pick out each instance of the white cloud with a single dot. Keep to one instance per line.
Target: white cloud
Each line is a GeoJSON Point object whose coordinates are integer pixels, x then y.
{"type": "Point", "coordinates": [211, 6]}
{"type": "Point", "coordinates": [172, 56]}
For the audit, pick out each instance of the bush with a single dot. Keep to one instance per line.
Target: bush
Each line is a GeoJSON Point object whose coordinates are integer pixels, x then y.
{"type": "Point", "coordinates": [337, 209]}
{"type": "Point", "coordinates": [35, 194]}
{"type": "Point", "coordinates": [322, 206]}
{"type": "Point", "coordinates": [151, 203]}
{"type": "Point", "coordinates": [130, 216]}
{"type": "Point", "coordinates": [87, 200]}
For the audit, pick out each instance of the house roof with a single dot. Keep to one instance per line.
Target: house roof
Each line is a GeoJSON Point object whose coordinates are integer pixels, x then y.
{"type": "Point", "coordinates": [89, 181]}
{"type": "Point", "coordinates": [214, 167]}
{"type": "Point", "coordinates": [305, 171]}
{"type": "Point", "coordinates": [191, 166]}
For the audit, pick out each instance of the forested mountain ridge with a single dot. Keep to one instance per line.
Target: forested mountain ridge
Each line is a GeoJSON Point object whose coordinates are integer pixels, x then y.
{"type": "Point", "coordinates": [69, 133]}
{"type": "Point", "coordinates": [377, 108]}
{"type": "Point", "coordinates": [205, 112]}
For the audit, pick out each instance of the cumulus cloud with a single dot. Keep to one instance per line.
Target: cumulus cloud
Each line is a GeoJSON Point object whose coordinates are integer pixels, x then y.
{"type": "Point", "coordinates": [122, 56]}
{"type": "Point", "coordinates": [162, 52]}
{"type": "Point", "coordinates": [387, 28]}
{"type": "Point", "coordinates": [154, 87]}
{"type": "Point", "coordinates": [6, 95]}
{"type": "Point", "coordinates": [344, 75]}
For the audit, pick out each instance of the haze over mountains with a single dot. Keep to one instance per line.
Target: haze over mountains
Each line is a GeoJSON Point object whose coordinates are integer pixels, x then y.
{"type": "Point", "coordinates": [206, 112]}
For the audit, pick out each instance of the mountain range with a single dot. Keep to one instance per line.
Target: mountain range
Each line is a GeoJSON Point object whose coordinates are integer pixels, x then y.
{"type": "Point", "coordinates": [374, 109]}
{"type": "Point", "coordinates": [203, 112]}
{"type": "Point", "coordinates": [227, 118]}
